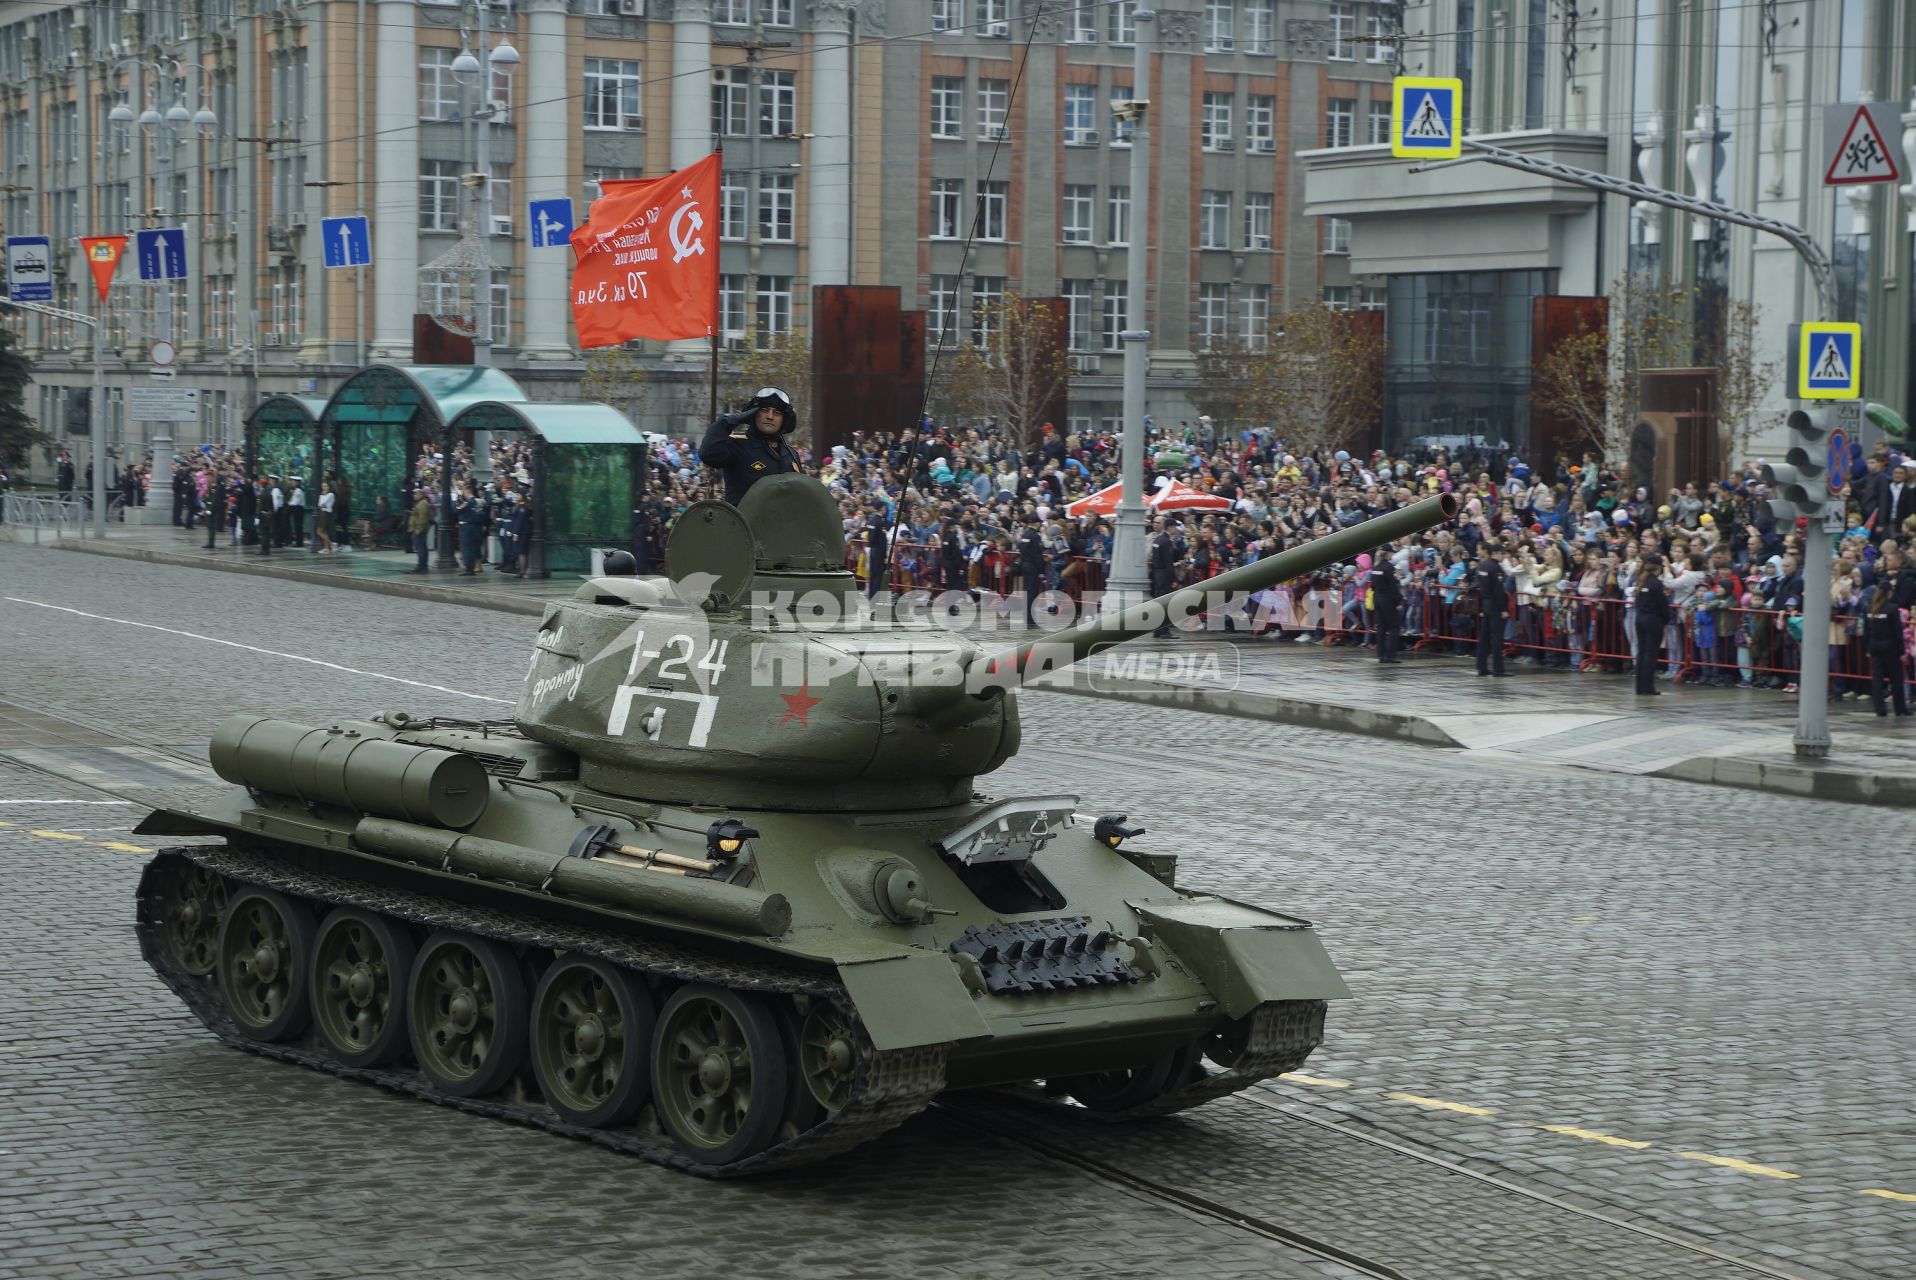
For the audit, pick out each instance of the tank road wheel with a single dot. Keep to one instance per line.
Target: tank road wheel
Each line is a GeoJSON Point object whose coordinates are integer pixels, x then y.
{"type": "Point", "coordinates": [265, 953]}
{"type": "Point", "coordinates": [591, 1032]}
{"type": "Point", "coordinates": [466, 1012]}
{"type": "Point", "coordinates": [719, 1073]}
{"type": "Point", "coordinates": [1127, 1087]}
{"type": "Point", "coordinates": [192, 901]}
{"type": "Point", "coordinates": [361, 965]}
{"type": "Point", "coordinates": [828, 1055]}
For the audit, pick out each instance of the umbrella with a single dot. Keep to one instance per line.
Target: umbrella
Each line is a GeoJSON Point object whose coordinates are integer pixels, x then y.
{"type": "Point", "coordinates": [1102, 503]}
{"type": "Point", "coordinates": [1178, 496]}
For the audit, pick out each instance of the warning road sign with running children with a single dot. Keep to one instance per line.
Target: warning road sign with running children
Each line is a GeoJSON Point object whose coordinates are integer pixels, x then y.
{"type": "Point", "coordinates": [1426, 118]}
{"type": "Point", "coordinates": [1856, 139]}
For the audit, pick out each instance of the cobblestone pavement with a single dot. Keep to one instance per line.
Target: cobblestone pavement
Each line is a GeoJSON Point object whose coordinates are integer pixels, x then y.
{"type": "Point", "coordinates": [1678, 1004]}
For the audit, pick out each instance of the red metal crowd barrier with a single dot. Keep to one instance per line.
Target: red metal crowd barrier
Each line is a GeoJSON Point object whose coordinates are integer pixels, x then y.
{"type": "Point", "coordinates": [917, 566]}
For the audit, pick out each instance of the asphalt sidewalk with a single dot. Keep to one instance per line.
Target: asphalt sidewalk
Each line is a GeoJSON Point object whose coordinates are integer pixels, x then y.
{"type": "Point", "coordinates": [1729, 737]}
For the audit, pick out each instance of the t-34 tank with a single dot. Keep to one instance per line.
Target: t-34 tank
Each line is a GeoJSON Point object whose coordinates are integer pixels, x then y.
{"type": "Point", "coordinates": [722, 893]}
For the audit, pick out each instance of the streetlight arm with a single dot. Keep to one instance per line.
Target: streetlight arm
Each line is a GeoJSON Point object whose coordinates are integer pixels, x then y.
{"type": "Point", "coordinates": [1798, 239]}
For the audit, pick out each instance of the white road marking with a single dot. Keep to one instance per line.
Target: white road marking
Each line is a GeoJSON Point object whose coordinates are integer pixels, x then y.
{"type": "Point", "coordinates": [128, 803]}
{"type": "Point", "coordinates": [271, 653]}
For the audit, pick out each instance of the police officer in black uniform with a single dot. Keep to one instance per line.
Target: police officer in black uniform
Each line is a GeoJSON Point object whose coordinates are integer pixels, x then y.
{"type": "Point", "coordinates": [1387, 607]}
{"type": "Point", "coordinates": [759, 450]}
{"type": "Point", "coordinates": [1653, 619]}
{"type": "Point", "coordinates": [1493, 598]}
{"type": "Point", "coordinates": [1031, 565]}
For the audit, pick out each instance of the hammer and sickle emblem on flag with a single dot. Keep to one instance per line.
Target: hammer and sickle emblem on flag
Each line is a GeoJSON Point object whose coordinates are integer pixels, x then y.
{"type": "Point", "coordinates": [686, 243]}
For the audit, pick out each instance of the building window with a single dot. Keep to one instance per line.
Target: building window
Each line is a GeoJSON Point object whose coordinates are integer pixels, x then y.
{"type": "Point", "coordinates": [1214, 220]}
{"type": "Point", "coordinates": [942, 304]}
{"type": "Point", "coordinates": [778, 104]}
{"type": "Point", "coordinates": [1120, 129]}
{"type": "Point", "coordinates": [947, 106]}
{"type": "Point", "coordinates": [732, 206]}
{"type": "Point", "coordinates": [1077, 297]}
{"type": "Point", "coordinates": [499, 188]}
{"type": "Point", "coordinates": [987, 304]}
{"type": "Point", "coordinates": [1337, 297]}
{"type": "Point", "coordinates": [597, 176]}
{"type": "Point", "coordinates": [1340, 122]}
{"type": "Point", "coordinates": [732, 306]}
{"type": "Point", "coordinates": [1257, 220]}
{"type": "Point", "coordinates": [1080, 114]}
{"type": "Point", "coordinates": [1118, 216]}
{"type": "Point", "coordinates": [1075, 226]}
{"type": "Point", "coordinates": [1382, 36]}
{"type": "Point", "coordinates": [993, 95]}
{"type": "Point", "coordinates": [499, 319]}
{"type": "Point", "coordinates": [1214, 308]}
{"type": "Point", "coordinates": [1220, 26]}
{"type": "Point", "coordinates": [992, 198]}
{"type": "Point", "coordinates": [1255, 307]}
{"type": "Point", "coordinates": [438, 92]}
{"type": "Point", "coordinates": [1259, 20]}
{"type": "Point", "coordinates": [1260, 122]}
{"type": "Point", "coordinates": [1370, 297]}
{"type": "Point", "coordinates": [776, 13]}
{"type": "Point", "coordinates": [777, 194]}
{"type": "Point", "coordinates": [1215, 128]}
{"type": "Point", "coordinates": [774, 306]}
{"type": "Point", "coordinates": [1377, 116]}
{"type": "Point", "coordinates": [947, 197]}
{"type": "Point", "coordinates": [732, 13]}
{"type": "Point", "coordinates": [730, 95]}
{"type": "Point", "coordinates": [1343, 32]}
{"type": "Point", "coordinates": [1081, 24]}
{"type": "Point", "coordinates": [438, 195]}
{"type": "Point", "coordinates": [947, 15]}
{"type": "Point", "coordinates": [1124, 22]}
{"type": "Point", "coordinates": [1337, 235]}
{"type": "Point", "coordinates": [1115, 311]}
{"type": "Point", "coordinates": [612, 93]}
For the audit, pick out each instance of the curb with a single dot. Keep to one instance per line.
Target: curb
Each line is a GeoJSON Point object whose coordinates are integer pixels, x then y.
{"type": "Point", "coordinates": [1260, 706]}
{"type": "Point", "coordinates": [405, 590]}
{"type": "Point", "coordinates": [1780, 777]}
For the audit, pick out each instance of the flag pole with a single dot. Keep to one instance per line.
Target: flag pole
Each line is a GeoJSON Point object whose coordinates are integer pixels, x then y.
{"type": "Point", "coordinates": [718, 149]}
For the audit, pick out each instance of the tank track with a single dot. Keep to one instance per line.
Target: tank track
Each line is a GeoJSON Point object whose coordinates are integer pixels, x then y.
{"type": "Point", "coordinates": [1281, 1035]}
{"type": "Point", "coordinates": [891, 1086]}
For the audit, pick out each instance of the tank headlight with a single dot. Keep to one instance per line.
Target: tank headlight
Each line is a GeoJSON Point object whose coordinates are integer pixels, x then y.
{"type": "Point", "coordinates": [1110, 830]}
{"type": "Point", "coordinates": [724, 838]}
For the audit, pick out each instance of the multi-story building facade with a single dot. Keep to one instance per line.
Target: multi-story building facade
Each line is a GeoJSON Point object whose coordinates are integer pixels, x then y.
{"type": "Point", "coordinates": [1722, 99]}
{"type": "Point", "coordinates": [860, 140]}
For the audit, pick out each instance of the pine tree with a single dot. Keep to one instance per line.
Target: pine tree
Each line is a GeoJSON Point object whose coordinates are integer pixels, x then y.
{"type": "Point", "coordinates": [17, 432]}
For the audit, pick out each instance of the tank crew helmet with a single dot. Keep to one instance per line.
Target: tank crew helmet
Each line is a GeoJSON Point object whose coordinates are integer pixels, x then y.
{"type": "Point", "coordinates": [773, 397]}
{"type": "Point", "coordinates": [620, 564]}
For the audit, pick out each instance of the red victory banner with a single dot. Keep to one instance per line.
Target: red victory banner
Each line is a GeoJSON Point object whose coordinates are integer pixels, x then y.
{"type": "Point", "coordinates": [647, 262]}
{"type": "Point", "coordinates": [103, 255]}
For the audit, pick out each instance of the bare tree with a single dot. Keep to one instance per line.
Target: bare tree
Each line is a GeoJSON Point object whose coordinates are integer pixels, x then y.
{"type": "Point", "coordinates": [960, 392]}
{"type": "Point", "coordinates": [616, 376]}
{"type": "Point", "coordinates": [1023, 343]}
{"type": "Point", "coordinates": [1227, 387]}
{"type": "Point", "coordinates": [1319, 382]}
{"type": "Point", "coordinates": [1743, 377]}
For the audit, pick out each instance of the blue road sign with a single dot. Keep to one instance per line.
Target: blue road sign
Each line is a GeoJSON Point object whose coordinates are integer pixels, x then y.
{"type": "Point", "coordinates": [1830, 361]}
{"type": "Point", "coordinates": [346, 242]}
{"type": "Point", "coordinates": [162, 253]}
{"type": "Point", "coordinates": [1425, 119]}
{"type": "Point", "coordinates": [1838, 470]}
{"type": "Point", "coordinates": [552, 223]}
{"type": "Point", "coordinates": [29, 269]}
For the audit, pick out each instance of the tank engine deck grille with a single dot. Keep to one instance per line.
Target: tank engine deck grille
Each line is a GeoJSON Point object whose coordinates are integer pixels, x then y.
{"type": "Point", "coordinates": [1024, 957]}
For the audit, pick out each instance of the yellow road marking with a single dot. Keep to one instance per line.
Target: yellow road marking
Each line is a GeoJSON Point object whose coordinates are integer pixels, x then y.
{"type": "Point", "coordinates": [1438, 1104]}
{"type": "Point", "coordinates": [1571, 1131]}
{"type": "Point", "coordinates": [55, 835]}
{"type": "Point", "coordinates": [1889, 1195]}
{"type": "Point", "coordinates": [1319, 1081]}
{"type": "Point", "coordinates": [1741, 1166]}
{"type": "Point", "coordinates": [122, 846]}
{"type": "Point", "coordinates": [5, 824]}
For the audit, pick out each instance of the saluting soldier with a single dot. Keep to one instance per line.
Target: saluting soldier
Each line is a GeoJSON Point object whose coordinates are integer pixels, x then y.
{"type": "Point", "coordinates": [759, 449]}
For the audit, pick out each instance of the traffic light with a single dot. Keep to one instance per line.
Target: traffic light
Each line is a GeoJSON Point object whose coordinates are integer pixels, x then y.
{"type": "Point", "coordinates": [79, 411]}
{"type": "Point", "coordinates": [1800, 484]}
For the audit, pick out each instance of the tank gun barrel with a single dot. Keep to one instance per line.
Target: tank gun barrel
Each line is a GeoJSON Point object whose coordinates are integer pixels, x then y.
{"type": "Point", "coordinates": [1075, 643]}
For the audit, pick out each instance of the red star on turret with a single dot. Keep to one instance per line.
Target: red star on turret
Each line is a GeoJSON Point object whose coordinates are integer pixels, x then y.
{"type": "Point", "coordinates": [799, 705]}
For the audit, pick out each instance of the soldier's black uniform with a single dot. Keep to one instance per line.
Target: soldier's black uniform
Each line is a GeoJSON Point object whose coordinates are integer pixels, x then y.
{"type": "Point", "coordinates": [750, 458]}
{"type": "Point", "coordinates": [1493, 598]}
{"type": "Point", "coordinates": [1031, 566]}
{"type": "Point", "coordinates": [1653, 617]}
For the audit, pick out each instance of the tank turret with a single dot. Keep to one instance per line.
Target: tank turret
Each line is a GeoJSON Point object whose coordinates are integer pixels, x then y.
{"type": "Point", "coordinates": [755, 676]}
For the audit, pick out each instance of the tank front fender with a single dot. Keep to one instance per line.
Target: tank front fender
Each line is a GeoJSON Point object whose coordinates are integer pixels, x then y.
{"type": "Point", "coordinates": [912, 998]}
{"type": "Point", "coordinates": [1243, 954]}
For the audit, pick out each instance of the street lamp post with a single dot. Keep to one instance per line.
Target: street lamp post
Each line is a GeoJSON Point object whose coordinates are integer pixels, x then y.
{"type": "Point", "coordinates": [1128, 582]}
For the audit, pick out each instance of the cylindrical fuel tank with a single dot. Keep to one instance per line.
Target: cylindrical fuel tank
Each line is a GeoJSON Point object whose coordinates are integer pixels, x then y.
{"type": "Point", "coordinates": [344, 767]}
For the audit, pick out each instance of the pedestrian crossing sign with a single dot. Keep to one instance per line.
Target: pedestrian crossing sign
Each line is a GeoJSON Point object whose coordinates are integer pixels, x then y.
{"type": "Point", "coordinates": [1426, 118]}
{"type": "Point", "coordinates": [1829, 362]}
